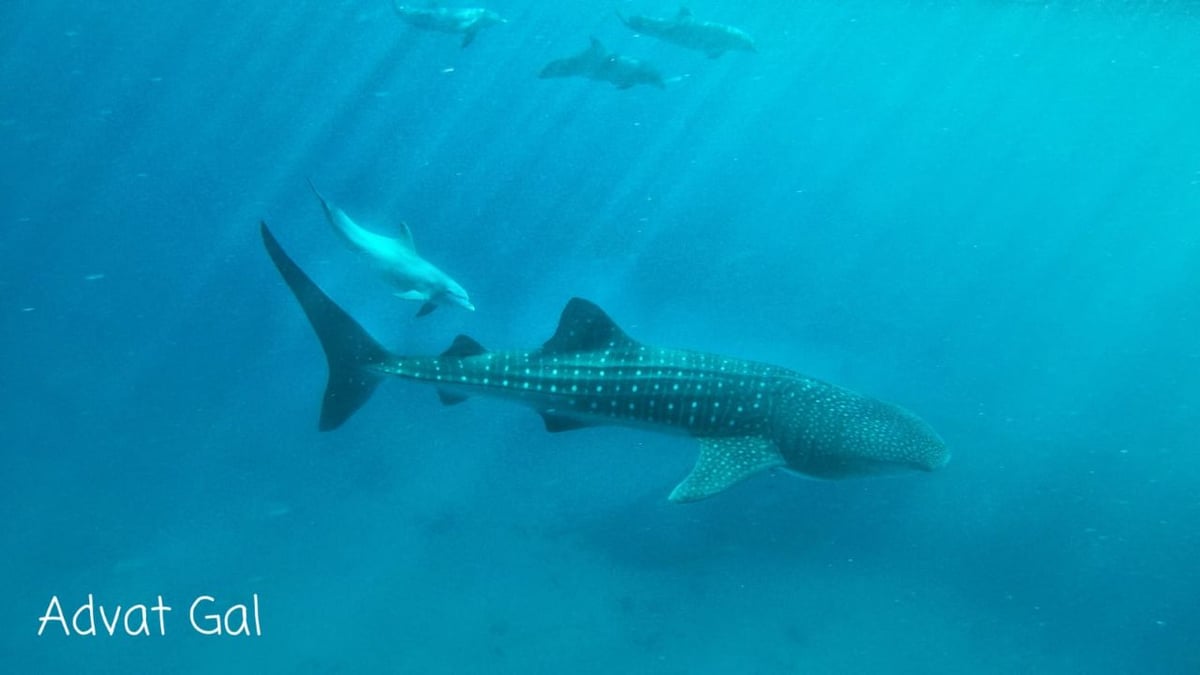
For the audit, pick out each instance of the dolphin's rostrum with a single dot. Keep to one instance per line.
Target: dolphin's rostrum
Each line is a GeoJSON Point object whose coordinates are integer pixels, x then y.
{"type": "Point", "coordinates": [748, 417]}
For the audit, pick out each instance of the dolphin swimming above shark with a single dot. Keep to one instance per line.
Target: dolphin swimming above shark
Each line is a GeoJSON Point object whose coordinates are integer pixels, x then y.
{"type": "Point", "coordinates": [714, 39]}
{"type": "Point", "coordinates": [747, 417]}
{"type": "Point", "coordinates": [414, 277]}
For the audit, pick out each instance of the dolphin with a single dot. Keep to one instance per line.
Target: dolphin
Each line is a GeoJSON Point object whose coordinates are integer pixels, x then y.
{"type": "Point", "coordinates": [467, 21]}
{"type": "Point", "coordinates": [598, 64]}
{"type": "Point", "coordinates": [415, 277]}
{"type": "Point", "coordinates": [711, 38]}
{"type": "Point", "coordinates": [747, 417]}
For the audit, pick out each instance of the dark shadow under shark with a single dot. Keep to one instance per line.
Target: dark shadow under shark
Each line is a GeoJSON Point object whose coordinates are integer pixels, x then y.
{"type": "Point", "coordinates": [747, 416]}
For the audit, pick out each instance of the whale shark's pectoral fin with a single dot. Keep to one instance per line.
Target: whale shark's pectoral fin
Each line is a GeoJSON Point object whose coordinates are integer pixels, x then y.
{"type": "Point", "coordinates": [723, 462]}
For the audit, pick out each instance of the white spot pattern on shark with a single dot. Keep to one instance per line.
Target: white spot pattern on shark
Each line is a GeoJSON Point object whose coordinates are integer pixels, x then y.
{"type": "Point", "coordinates": [747, 416]}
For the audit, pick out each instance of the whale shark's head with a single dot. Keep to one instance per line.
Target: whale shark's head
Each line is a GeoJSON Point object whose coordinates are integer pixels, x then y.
{"type": "Point", "coordinates": [829, 432]}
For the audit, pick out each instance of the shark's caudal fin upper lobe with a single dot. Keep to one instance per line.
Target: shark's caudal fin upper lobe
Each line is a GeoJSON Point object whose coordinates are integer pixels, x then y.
{"type": "Point", "coordinates": [349, 350]}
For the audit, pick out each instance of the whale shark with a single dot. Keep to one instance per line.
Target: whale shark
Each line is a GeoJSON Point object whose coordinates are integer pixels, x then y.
{"type": "Point", "coordinates": [747, 417]}
{"type": "Point", "coordinates": [467, 21]}
{"type": "Point", "coordinates": [684, 30]}
{"type": "Point", "coordinates": [597, 63]}
{"type": "Point", "coordinates": [397, 259]}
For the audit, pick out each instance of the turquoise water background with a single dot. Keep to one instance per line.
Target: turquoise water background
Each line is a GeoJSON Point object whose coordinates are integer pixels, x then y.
{"type": "Point", "coordinates": [987, 211]}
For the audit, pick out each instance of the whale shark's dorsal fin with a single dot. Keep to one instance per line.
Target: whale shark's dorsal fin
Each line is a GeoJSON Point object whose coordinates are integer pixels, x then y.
{"type": "Point", "coordinates": [584, 327]}
{"type": "Point", "coordinates": [405, 237]}
{"type": "Point", "coordinates": [464, 346]}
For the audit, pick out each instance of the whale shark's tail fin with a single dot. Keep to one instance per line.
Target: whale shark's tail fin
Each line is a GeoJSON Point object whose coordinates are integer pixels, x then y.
{"type": "Point", "coordinates": [350, 351]}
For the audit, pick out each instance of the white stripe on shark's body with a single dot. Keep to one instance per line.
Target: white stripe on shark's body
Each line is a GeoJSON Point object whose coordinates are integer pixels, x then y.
{"type": "Point", "coordinates": [747, 416]}
{"type": "Point", "coordinates": [414, 277]}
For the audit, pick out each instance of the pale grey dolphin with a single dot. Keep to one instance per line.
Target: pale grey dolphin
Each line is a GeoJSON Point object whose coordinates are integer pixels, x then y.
{"type": "Point", "coordinates": [711, 38]}
{"type": "Point", "coordinates": [415, 277]}
{"type": "Point", "coordinates": [467, 21]}
{"type": "Point", "coordinates": [596, 63]}
{"type": "Point", "coordinates": [748, 417]}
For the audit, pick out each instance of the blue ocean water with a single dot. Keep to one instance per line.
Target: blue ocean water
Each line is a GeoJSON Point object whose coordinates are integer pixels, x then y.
{"type": "Point", "coordinates": [984, 210]}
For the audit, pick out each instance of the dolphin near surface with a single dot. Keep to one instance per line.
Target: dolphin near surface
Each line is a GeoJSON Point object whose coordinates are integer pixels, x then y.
{"type": "Point", "coordinates": [597, 63]}
{"type": "Point", "coordinates": [747, 417]}
{"type": "Point", "coordinates": [714, 39]}
{"type": "Point", "coordinates": [465, 21]}
{"type": "Point", "coordinates": [414, 277]}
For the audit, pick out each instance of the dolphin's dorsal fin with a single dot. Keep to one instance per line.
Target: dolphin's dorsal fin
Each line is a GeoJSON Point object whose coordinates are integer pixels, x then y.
{"type": "Point", "coordinates": [464, 346]}
{"type": "Point", "coordinates": [584, 327]}
{"type": "Point", "coordinates": [725, 461]}
{"type": "Point", "coordinates": [596, 47]}
{"type": "Point", "coordinates": [404, 236]}
{"type": "Point", "coordinates": [684, 13]}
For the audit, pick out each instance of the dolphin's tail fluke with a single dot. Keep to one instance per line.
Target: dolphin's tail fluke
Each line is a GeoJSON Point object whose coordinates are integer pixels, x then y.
{"type": "Point", "coordinates": [321, 198]}
{"type": "Point", "coordinates": [349, 350]}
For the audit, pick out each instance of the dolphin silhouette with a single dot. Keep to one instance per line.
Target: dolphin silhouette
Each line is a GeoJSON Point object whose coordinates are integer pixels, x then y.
{"type": "Point", "coordinates": [684, 30]}
{"type": "Point", "coordinates": [596, 63]}
{"type": "Point", "coordinates": [414, 277]}
{"type": "Point", "coordinates": [748, 417]}
{"type": "Point", "coordinates": [466, 21]}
